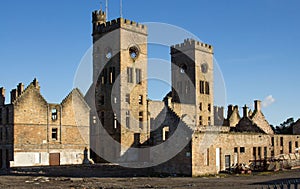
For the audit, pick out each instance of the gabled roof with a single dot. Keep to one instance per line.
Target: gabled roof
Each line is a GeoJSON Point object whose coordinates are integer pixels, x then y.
{"type": "Point", "coordinates": [77, 92]}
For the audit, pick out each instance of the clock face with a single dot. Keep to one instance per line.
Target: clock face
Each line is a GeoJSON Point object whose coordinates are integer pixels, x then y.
{"type": "Point", "coordinates": [108, 53]}
{"type": "Point", "coordinates": [204, 67]}
{"type": "Point", "coordinates": [134, 52]}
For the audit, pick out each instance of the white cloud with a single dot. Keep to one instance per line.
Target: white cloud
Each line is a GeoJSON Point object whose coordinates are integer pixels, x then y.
{"type": "Point", "coordinates": [269, 100]}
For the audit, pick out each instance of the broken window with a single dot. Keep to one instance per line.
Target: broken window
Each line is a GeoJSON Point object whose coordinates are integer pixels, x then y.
{"type": "Point", "coordinates": [54, 114]}
{"type": "Point", "coordinates": [200, 120]}
{"type": "Point", "coordinates": [209, 107]}
{"type": "Point", "coordinates": [242, 149]}
{"type": "Point", "coordinates": [254, 152]}
{"type": "Point", "coordinates": [209, 121]}
{"type": "Point", "coordinates": [140, 99]}
{"type": "Point", "coordinates": [138, 74]}
{"type": "Point", "coordinates": [201, 87]}
{"type": "Point", "coordinates": [101, 100]}
{"type": "Point", "coordinates": [272, 141]}
{"type": "Point", "coordinates": [296, 144]}
{"type": "Point", "coordinates": [207, 87]}
{"type": "Point", "coordinates": [235, 150]}
{"type": "Point", "coordinates": [290, 147]}
{"type": "Point", "coordinates": [102, 118]}
{"type": "Point", "coordinates": [281, 141]}
{"type": "Point", "coordinates": [127, 98]}
{"type": "Point", "coordinates": [265, 152]}
{"type": "Point", "coordinates": [259, 152]}
{"type": "Point", "coordinates": [129, 75]}
{"type": "Point", "coordinates": [200, 106]}
{"type": "Point", "coordinates": [54, 134]}
{"type": "Point", "coordinates": [112, 73]}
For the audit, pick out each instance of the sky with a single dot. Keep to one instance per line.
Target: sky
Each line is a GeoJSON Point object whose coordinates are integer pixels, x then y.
{"type": "Point", "coordinates": [256, 44]}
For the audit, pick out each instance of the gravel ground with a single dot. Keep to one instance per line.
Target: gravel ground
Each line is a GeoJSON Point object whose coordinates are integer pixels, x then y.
{"type": "Point", "coordinates": [85, 178]}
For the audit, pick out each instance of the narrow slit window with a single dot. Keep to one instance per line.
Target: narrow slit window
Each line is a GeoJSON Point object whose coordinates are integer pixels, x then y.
{"type": "Point", "coordinates": [129, 75]}
{"type": "Point", "coordinates": [112, 73]}
{"type": "Point", "coordinates": [201, 87]}
{"type": "Point", "coordinates": [207, 88]}
{"type": "Point", "coordinates": [127, 119]}
{"type": "Point", "coordinates": [138, 74]}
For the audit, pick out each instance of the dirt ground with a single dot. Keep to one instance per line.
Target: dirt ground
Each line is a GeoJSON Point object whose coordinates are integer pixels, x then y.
{"type": "Point", "coordinates": [100, 177]}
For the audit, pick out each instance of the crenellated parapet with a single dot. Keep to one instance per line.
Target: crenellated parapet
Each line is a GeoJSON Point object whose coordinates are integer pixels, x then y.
{"type": "Point", "coordinates": [119, 23]}
{"type": "Point", "coordinates": [191, 44]}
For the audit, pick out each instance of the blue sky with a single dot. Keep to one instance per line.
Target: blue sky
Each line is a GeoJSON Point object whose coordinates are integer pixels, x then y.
{"type": "Point", "coordinates": [256, 44]}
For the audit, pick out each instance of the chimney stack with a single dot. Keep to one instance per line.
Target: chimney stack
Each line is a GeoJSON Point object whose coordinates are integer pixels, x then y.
{"type": "Point", "coordinates": [20, 88]}
{"type": "Point", "coordinates": [245, 111]}
{"type": "Point", "coordinates": [229, 111]}
{"type": "Point", "coordinates": [36, 84]}
{"type": "Point", "coordinates": [2, 96]}
{"type": "Point", "coordinates": [257, 105]}
{"type": "Point", "coordinates": [13, 95]}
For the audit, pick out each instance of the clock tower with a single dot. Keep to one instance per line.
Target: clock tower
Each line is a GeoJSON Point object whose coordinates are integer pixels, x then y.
{"type": "Point", "coordinates": [193, 78]}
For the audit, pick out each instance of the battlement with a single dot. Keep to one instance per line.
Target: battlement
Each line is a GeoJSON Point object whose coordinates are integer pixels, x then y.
{"type": "Point", "coordinates": [120, 23]}
{"type": "Point", "coordinates": [98, 15]}
{"type": "Point", "coordinates": [191, 43]}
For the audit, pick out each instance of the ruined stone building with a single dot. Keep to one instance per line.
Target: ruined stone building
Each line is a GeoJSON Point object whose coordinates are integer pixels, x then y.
{"type": "Point", "coordinates": [34, 132]}
{"type": "Point", "coordinates": [123, 115]}
{"type": "Point", "coordinates": [182, 134]}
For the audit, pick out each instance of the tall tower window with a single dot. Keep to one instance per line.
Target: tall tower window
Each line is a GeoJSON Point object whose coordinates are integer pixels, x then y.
{"type": "Point", "coordinates": [115, 121]}
{"type": "Point", "coordinates": [187, 87]}
{"type": "Point", "coordinates": [112, 73]}
{"type": "Point", "coordinates": [201, 87]}
{"type": "Point", "coordinates": [7, 115]}
{"type": "Point", "coordinates": [54, 114]}
{"type": "Point", "coordinates": [207, 87]}
{"type": "Point", "coordinates": [179, 87]}
{"type": "Point", "coordinates": [138, 74]}
{"type": "Point", "coordinates": [54, 134]}
{"type": "Point", "coordinates": [129, 75]}
{"type": "Point", "coordinates": [103, 76]}
{"type": "Point", "coordinates": [209, 107]}
{"type": "Point", "coordinates": [127, 119]}
{"type": "Point", "coordinates": [141, 120]}
{"type": "Point", "coordinates": [141, 99]}
{"type": "Point", "coordinates": [127, 98]}
{"type": "Point", "coordinates": [102, 118]}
